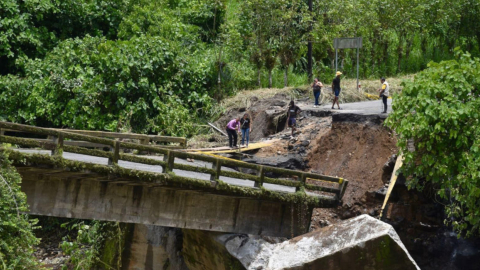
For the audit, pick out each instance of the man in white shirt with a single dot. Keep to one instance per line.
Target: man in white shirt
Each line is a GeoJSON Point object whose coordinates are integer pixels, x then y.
{"type": "Point", "coordinates": [384, 92]}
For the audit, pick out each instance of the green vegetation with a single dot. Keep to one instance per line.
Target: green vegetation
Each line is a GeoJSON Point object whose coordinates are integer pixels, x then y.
{"type": "Point", "coordinates": [93, 237]}
{"type": "Point", "coordinates": [162, 66]}
{"type": "Point", "coordinates": [16, 229]}
{"type": "Point", "coordinates": [440, 112]}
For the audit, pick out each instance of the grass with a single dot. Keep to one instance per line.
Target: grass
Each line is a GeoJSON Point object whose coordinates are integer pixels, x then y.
{"type": "Point", "coordinates": [349, 91]}
{"type": "Point", "coordinates": [243, 98]}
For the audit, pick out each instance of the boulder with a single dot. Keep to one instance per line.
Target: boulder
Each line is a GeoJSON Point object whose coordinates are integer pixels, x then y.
{"type": "Point", "coordinates": [358, 243]}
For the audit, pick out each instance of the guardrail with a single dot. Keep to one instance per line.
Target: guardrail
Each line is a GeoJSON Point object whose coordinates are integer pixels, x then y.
{"type": "Point", "coordinates": [142, 138]}
{"type": "Point", "coordinates": [323, 185]}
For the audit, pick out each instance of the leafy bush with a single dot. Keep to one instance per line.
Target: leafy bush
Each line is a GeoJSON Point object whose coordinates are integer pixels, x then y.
{"type": "Point", "coordinates": [440, 112]}
{"type": "Point", "coordinates": [145, 84]}
{"type": "Point", "coordinates": [16, 229]}
{"type": "Point", "coordinates": [90, 238]}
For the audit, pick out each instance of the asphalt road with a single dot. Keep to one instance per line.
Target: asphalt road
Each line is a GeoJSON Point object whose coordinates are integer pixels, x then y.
{"type": "Point", "coordinates": [364, 107]}
{"type": "Point", "coordinates": [158, 169]}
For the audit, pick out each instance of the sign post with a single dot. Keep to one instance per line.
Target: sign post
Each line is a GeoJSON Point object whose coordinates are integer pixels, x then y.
{"type": "Point", "coordinates": [348, 43]}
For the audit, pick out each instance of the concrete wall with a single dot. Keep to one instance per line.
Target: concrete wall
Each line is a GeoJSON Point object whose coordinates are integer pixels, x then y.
{"type": "Point", "coordinates": [89, 196]}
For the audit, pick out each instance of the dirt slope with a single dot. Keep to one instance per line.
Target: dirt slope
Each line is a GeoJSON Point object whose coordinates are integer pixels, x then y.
{"type": "Point", "coordinates": [354, 151]}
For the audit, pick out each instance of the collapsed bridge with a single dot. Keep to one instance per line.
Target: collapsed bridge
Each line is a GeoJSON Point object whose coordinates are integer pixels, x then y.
{"type": "Point", "coordinates": [64, 177]}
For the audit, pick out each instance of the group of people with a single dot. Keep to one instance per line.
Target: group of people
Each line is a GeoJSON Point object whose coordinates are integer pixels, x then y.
{"type": "Point", "coordinates": [317, 89]}
{"type": "Point", "coordinates": [244, 124]}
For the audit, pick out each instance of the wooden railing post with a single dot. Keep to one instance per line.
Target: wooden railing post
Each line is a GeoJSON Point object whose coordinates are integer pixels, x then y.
{"type": "Point", "coordinates": [116, 154]}
{"type": "Point", "coordinates": [144, 141]}
{"type": "Point", "coordinates": [58, 140]}
{"type": "Point", "coordinates": [2, 132]}
{"type": "Point", "coordinates": [303, 179]}
{"type": "Point", "coordinates": [214, 177]}
{"type": "Point", "coordinates": [169, 158]}
{"type": "Point", "coordinates": [261, 177]}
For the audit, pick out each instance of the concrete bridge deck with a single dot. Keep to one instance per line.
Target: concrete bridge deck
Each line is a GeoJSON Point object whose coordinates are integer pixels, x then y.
{"type": "Point", "coordinates": [165, 189]}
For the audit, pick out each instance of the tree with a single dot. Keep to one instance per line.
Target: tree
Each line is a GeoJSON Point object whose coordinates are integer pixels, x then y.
{"type": "Point", "coordinates": [16, 229]}
{"type": "Point", "coordinates": [145, 84]}
{"type": "Point", "coordinates": [440, 112]}
{"type": "Point", "coordinates": [290, 32]}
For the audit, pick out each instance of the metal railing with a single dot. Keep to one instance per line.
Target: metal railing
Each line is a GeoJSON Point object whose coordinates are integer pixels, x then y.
{"type": "Point", "coordinates": [301, 181]}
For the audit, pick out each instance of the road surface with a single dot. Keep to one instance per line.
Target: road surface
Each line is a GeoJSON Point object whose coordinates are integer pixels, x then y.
{"type": "Point", "coordinates": [158, 169]}
{"type": "Point", "coordinates": [364, 107]}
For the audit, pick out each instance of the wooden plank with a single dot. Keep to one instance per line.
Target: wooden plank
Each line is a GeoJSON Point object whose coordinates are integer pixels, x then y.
{"type": "Point", "coordinates": [393, 180]}
{"type": "Point", "coordinates": [226, 149]}
{"type": "Point", "coordinates": [75, 143]}
{"type": "Point", "coordinates": [106, 134]}
{"type": "Point", "coordinates": [95, 133]}
{"type": "Point", "coordinates": [217, 129]}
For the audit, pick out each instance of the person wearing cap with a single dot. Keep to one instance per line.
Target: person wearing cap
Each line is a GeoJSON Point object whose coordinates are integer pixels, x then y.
{"type": "Point", "coordinates": [384, 92]}
{"type": "Point", "coordinates": [336, 89]}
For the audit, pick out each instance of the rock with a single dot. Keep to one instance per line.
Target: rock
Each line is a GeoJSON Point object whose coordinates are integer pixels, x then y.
{"type": "Point", "coordinates": [381, 193]}
{"type": "Point", "coordinates": [290, 161]}
{"type": "Point", "coordinates": [388, 168]}
{"type": "Point", "coordinates": [347, 214]}
{"type": "Point", "coordinates": [279, 103]}
{"type": "Point", "coordinates": [305, 143]}
{"type": "Point", "coordinates": [360, 243]}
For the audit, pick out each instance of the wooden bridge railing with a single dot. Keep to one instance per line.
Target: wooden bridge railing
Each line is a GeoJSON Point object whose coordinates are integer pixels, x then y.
{"type": "Point", "coordinates": [324, 186]}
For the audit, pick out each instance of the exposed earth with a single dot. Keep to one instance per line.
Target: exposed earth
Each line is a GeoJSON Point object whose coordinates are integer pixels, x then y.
{"type": "Point", "coordinates": [353, 144]}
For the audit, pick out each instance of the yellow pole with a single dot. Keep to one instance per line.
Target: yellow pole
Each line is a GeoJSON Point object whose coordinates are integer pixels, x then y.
{"type": "Point", "coordinates": [393, 179]}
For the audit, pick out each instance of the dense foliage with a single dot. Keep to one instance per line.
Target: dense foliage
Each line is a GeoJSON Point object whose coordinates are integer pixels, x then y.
{"type": "Point", "coordinates": [89, 244]}
{"type": "Point", "coordinates": [160, 66]}
{"type": "Point", "coordinates": [92, 83]}
{"type": "Point", "coordinates": [440, 112]}
{"type": "Point", "coordinates": [16, 230]}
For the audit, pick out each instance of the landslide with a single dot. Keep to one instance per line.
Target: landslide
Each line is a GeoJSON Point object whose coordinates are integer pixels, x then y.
{"type": "Point", "coordinates": [356, 151]}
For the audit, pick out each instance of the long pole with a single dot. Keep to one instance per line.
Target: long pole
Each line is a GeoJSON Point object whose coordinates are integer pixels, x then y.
{"type": "Point", "coordinates": [357, 65]}
{"type": "Point", "coordinates": [309, 53]}
{"type": "Point", "coordinates": [336, 60]}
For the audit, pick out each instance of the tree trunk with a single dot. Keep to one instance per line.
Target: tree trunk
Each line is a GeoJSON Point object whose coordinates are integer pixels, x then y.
{"type": "Point", "coordinates": [285, 77]}
{"type": "Point", "coordinates": [259, 79]}
{"type": "Point", "coordinates": [309, 53]}
{"type": "Point", "coordinates": [269, 78]}
{"type": "Point", "coordinates": [400, 54]}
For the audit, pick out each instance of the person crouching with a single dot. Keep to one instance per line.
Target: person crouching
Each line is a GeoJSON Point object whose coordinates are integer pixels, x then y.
{"type": "Point", "coordinates": [232, 129]}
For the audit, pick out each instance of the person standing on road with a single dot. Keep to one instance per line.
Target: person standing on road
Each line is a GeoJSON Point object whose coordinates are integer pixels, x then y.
{"type": "Point", "coordinates": [336, 89]}
{"type": "Point", "coordinates": [317, 89]}
{"type": "Point", "coordinates": [293, 110]}
{"type": "Point", "coordinates": [232, 129]}
{"type": "Point", "coordinates": [246, 128]}
{"type": "Point", "coordinates": [384, 92]}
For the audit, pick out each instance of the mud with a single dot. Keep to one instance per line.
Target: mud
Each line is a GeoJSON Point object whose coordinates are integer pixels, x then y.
{"type": "Point", "coordinates": [354, 151]}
